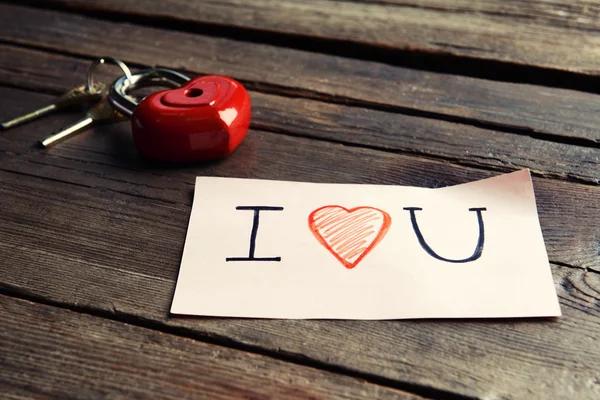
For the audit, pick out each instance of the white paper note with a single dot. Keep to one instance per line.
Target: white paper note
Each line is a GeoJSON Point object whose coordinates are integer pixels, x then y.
{"type": "Point", "coordinates": [274, 249]}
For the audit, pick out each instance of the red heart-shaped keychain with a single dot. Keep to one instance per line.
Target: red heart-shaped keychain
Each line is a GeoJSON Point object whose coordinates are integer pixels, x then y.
{"type": "Point", "coordinates": [204, 119]}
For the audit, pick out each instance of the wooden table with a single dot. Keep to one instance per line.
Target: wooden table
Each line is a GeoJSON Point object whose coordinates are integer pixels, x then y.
{"type": "Point", "coordinates": [406, 92]}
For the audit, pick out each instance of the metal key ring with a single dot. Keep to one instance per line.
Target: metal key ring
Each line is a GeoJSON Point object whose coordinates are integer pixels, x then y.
{"type": "Point", "coordinates": [119, 96]}
{"type": "Point", "coordinates": [103, 60]}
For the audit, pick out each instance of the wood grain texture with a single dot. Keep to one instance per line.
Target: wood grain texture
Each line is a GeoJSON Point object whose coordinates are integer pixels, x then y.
{"type": "Point", "coordinates": [463, 144]}
{"type": "Point", "coordinates": [47, 352]}
{"type": "Point", "coordinates": [557, 114]}
{"type": "Point", "coordinates": [91, 225]}
{"type": "Point", "coordinates": [114, 273]}
{"type": "Point", "coordinates": [570, 213]}
{"type": "Point", "coordinates": [539, 33]}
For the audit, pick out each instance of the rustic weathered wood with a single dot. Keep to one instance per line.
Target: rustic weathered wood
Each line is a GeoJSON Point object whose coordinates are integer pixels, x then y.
{"type": "Point", "coordinates": [539, 33]}
{"type": "Point", "coordinates": [122, 255]}
{"type": "Point", "coordinates": [464, 144]}
{"type": "Point", "coordinates": [49, 352]}
{"type": "Point", "coordinates": [92, 226]}
{"type": "Point", "coordinates": [569, 212]}
{"type": "Point", "coordinates": [529, 110]}
{"type": "Point", "coordinates": [125, 265]}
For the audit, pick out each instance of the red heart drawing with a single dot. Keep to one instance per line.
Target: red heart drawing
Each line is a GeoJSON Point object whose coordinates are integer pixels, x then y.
{"type": "Point", "coordinates": [349, 234]}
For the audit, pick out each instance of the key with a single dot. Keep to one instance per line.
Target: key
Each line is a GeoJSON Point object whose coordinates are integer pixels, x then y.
{"type": "Point", "coordinates": [99, 113]}
{"type": "Point", "coordinates": [78, 95]}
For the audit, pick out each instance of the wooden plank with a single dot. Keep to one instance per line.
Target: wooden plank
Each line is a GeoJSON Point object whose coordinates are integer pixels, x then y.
{"type": "Point", "coordinates": [378, 129]}
{"type": "Point", "coordinates": [49, 352]}
{"type": "Point", "coordinates": [569, 212]}
{"type": "Point", "coordinates": [464, 144]}
{"type": "Point", "coordinates": [91, 225]}
{"type": "Point", "coordinates": [506, 359]}
{"type": "Point", "coordinates": [556, 114]}
{"type": "Point", "coordinates": [574, 14]}
{"type": "Point", "coordinates": [537, 33]}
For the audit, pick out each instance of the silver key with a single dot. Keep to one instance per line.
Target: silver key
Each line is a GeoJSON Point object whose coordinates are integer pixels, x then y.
{"type": "Point", "coordinates": [78, 95]}
{"type": "Point", "coordinates": [99, 113]}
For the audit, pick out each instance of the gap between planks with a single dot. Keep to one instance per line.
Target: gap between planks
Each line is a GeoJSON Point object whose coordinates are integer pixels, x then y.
{"type": "Point", "coordinates": [313, 119]}
{"type": "Point", "coordinates": [296, 92]}
{"type": "Point", "coordinates": [456, 59]}
{"type": "Point", "coordinates": [229, 343]}
{"type": "Point", "coordinates": [507, 107]}
{"type": "Point", "coordinates": [107, 159]}
{"type": "Point", "coordinates": [47, 283]}
{"type": "Point", "coordinates": [189, 205]}
{"type": "Point", "coordinates": [59, 353]}
{"type": "Point", "coordinates": [82, 166]}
